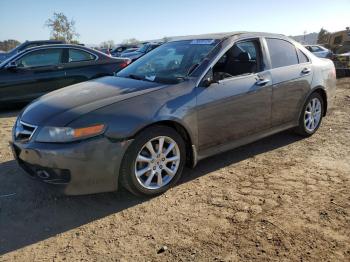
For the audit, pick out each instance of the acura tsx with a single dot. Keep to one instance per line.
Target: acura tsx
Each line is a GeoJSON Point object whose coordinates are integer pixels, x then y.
{"type": "Point", "coordinates": [182, 102]}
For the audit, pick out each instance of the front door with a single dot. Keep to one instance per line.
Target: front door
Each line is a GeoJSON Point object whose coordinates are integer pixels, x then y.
{"type": "Point", "coordinates": [239, 104]}
{"type": "Point", "coordinates": [37, 73]}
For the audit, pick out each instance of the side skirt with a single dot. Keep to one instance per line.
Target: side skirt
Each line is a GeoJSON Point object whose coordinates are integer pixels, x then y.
{"type": "Point", "coordinates": [240, 142]}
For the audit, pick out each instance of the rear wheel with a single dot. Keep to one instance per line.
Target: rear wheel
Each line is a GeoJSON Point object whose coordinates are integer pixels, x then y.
{"type": "Point", "coordinates": [154, 161]}
{"type": "Point", "coordinates": [311, 116]}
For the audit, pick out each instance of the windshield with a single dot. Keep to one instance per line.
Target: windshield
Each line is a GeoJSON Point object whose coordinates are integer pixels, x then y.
{"type": "Point", "coordinates": [169, 63]}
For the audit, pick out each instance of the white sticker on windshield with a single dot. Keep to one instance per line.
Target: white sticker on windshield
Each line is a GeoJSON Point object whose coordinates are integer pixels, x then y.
{"type": "Point", "coordinates": [150, 78]}
{"type": "Point", "coordinates": [202, 42]}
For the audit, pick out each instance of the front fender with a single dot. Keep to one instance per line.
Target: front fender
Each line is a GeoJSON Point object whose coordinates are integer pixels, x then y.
{"type": "Point", "coordinates": [126, 118]}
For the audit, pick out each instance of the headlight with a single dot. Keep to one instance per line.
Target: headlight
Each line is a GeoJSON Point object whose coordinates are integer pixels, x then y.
{"type": "Point", "coordinates": [68, 134]}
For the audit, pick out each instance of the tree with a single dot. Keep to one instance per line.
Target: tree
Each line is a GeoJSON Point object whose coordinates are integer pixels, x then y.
{"type": "Point", "coordinates": [131, 41]}
{"type": "Point", "coordinates": [323, 36]}
{"type": "Point", "coordinates": [62, 28]}
{"type": "Point", "coordinates": [8, 44]}
{"type": "Point", "coordinates": [165, 39]}
{"type": "Point", "coordinates": [107, 44]}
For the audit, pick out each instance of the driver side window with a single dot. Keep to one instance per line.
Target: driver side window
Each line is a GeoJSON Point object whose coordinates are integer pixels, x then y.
{"type": "Point", "coordinates": [242, 58]}
{"type": "Point", "coordinates": [44, 57]}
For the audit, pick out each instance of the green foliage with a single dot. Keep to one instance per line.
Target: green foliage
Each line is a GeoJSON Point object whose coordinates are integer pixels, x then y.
{"type": "Point", "coordinates": [323, 36]}
{"type": "Point", "coordinates": [7, 45]}
{"type": "Point", "coordinates": [165, 39]}
{"type": "Point", "coordinates": [131, 41]}
{"type": "Point", "coordinates": [61, 28]}
{"type": "Point", "coordinates": [107, 44]}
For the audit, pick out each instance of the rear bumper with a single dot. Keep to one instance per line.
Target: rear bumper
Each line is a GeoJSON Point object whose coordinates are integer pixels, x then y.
{"type": "Point", "coordinates": [85, 167]}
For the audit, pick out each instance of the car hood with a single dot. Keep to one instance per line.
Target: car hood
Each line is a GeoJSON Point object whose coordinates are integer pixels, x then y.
{"type": "Point", "coordinates": [62, 106]}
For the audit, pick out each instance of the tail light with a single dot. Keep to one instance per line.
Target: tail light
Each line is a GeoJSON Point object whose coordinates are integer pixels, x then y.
{"type": "Point", "coordinates": [125, 63]}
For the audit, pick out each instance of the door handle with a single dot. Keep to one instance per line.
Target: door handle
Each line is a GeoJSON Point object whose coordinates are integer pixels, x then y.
{"type": "Point", "coordinates": [306, 70]}
{"type": "Point", "coordinates": [59, 67]}
{"type": "Point", "coordinates": [262, 81]}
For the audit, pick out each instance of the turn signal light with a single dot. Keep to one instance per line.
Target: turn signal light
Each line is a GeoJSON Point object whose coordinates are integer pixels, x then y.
{"type": "Point", "coordinates": [88, 131]}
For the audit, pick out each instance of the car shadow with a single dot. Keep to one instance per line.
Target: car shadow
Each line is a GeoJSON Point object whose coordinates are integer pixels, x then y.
{"type": "Point", "coordinates": [5, 114]}
{"type": "Point", "coordinates": [31, 211]}
{"type": "Point", "coordinates": [11, 110]}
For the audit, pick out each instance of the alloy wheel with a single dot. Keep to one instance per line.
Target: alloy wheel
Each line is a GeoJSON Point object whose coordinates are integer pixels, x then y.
{"type": "Point", "coordinates": [312, 115]}
{"type": "Point", "coordinates": [157, 162]}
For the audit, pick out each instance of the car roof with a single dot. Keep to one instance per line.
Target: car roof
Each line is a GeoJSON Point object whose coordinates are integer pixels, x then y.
{"type": "Point", "coordinates": [45, 41]}
{"type": "Point", "coordinates": [221, 36]}
{"type": "Point", "coordinates": [59, 45]}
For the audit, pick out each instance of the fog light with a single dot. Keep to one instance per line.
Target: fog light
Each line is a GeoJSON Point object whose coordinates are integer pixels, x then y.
{"type": "Point", "coordinates": [43, 174]}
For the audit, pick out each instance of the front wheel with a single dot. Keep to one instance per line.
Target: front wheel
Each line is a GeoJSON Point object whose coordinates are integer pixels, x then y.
{"type": "Point", "coordinates": [154, 161]}
{"type": "Point", "coordinates": [311, 116]}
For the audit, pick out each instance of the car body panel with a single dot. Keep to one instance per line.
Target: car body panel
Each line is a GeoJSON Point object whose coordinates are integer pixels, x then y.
{"type": "Point", "coordinates": [239, 102]}
{"type": "Point", "coordinates": [289, 89]}
{"type": "Point", "coordinates": [64, 105]}
{"type": "Point", "coordinates": [83, 160]}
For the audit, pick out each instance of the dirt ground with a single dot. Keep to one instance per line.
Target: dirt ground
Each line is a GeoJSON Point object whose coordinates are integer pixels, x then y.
{"type": "Point", "coordinates": [282, 198]}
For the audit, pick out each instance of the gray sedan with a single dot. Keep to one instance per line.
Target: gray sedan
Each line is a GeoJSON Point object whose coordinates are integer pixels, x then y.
{"type": "Point", "coordinates": [180, 103]}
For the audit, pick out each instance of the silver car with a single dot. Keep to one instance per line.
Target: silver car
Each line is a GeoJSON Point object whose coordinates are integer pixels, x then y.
{"type": "Point", "coordinates": [180, 103]}
{"type": "Point", "coordinates": [319, 51]}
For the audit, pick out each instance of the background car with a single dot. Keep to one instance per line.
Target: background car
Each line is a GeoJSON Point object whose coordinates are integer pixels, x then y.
{"type": "Point", "coordinates": [341, 60]}
{"type": "Point", "coordinates": [106, 51]}
{"type": "Point", "coordinates": [116, 52]}
{"type": "Point", "coordinates": [134, 55]}
{"type": "Point", "coordinates": [26, 45]}
{"type": "Point", "coordinates": [182, 102]}
{"type": "Point", "coordinates": [36, 71]}
{"type": "Point", "coordinates": [319, 51]}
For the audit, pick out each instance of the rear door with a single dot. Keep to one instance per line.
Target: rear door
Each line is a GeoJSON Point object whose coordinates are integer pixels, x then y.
{"type": "Point", "coordinates": [291, 75]}
{"type": "Point", "coordinates": [81, 65]}
{"type": "Point", "coordinates": [37, 73]}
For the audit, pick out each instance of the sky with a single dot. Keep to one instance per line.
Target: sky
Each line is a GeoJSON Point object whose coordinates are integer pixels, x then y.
{"type": "Point", "coordinates": [102, 20]}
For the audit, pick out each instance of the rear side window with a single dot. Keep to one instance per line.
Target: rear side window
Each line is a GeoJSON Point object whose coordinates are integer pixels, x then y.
{"type": "Point", "coordinates": [76, 55]}
{"type": "Point", "coordinates": [282, 53]}
{"type": "Point", "coordinates": [302, 57]}
{"type": "Point", "coordinates": [46, 57]}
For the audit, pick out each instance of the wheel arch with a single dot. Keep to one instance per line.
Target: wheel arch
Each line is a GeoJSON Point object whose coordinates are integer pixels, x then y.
{"type": "Point", "coordinates": [320, 90]}
{"type": "Point", "coordinates": [191, 153]}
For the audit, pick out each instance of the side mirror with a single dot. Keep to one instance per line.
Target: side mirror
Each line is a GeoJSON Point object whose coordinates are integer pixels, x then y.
{"type": "Point", "coordinates": [12, 65]}
{"type": "Point", "coordinates": [208, 79]}
{"type": "Point", "coordinates": [207, 82]}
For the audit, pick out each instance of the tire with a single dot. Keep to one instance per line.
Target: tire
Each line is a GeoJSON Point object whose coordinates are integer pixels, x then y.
{"type": "Point", "coordinates": [170, 172]}
{"type": "Point", "coordinates": [304, 128]}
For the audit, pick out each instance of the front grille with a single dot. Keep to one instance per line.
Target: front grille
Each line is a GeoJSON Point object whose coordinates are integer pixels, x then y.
{"type": "Point", "coordinates": [24, 131]}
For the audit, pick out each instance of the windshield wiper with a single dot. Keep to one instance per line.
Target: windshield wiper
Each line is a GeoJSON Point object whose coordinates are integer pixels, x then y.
{"type": "Point", "coordinates": [136, 77]}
